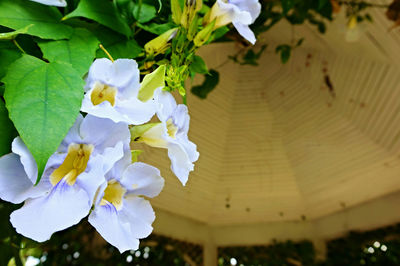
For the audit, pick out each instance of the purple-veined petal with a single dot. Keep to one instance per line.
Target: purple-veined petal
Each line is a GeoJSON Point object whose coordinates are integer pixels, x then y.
{"type": "Point", "coordinates": [106, 220]}
{"type": "Point", "coordinates": [15, 186]}
{"type": "Point", "coordinates": [103, 133]}
{"type": "Point", "coordinates": [92, 179]}
{"type": "Point", "coordinates": [27, 160]}
{"type": "Point", "coordinates": [39, 218]}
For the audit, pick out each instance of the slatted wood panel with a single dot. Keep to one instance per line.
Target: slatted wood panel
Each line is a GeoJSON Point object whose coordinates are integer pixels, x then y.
{"type": "Point", "coordinates": [276, 145]}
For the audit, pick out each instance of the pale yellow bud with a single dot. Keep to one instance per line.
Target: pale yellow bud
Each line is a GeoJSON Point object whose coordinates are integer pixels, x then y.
{"type": "Point", "coordinates": [160, 44]}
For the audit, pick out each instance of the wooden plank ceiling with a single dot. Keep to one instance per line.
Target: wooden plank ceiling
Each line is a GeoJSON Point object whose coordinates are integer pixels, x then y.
{"type": "Point", "coordinates": [276, 145]}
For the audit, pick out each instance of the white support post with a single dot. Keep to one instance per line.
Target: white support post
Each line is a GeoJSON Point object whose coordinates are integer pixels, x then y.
{"type": "Point", "coordinates": [210, 254]}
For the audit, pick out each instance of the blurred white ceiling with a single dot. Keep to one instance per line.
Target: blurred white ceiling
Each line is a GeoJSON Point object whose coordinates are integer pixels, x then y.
{"type": "Point", "coordinates": [276, 145]}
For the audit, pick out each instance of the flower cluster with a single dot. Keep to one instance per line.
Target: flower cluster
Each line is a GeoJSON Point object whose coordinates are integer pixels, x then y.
{"type": "Point", "coordinates": [93, 172]}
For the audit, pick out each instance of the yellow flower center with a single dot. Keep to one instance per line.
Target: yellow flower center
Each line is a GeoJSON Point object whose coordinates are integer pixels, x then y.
{"type": "Point", "coordinates": [103, 92]}
{"type": "Point", "coordinates": [74, 164]}
{"type": "Point", "coordinates": [171, 128]}
{"type": "Point", "coordinates": [113, 194]}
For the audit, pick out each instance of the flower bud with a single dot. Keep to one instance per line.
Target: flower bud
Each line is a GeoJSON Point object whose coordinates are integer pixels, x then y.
{"type": "Point", "coordinates": [176, 11]}
{"type": "Point", "coordinates": [189, 12]}
{"type": "Point", "coordinates": [204, 34]}
{"type": "Point", "coordinates": [160, 44]}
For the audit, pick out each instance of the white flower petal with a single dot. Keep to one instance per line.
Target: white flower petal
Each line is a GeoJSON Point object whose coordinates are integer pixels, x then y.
{"type": "Point", "coordinates": [251, 6]}
{"type": "Point", "coordinates": [39, 218]}
{"type": "Point", "coordinates": [234, 13]}
{"type": "Point", "coordinates": [103, 133]}
{"type": "Point", "coordinates": [181, 118]}
{"type": "Point", "coordinates": [73, 135]}
{"type": "Point", "coordinates": [61, 3]}
{"type": "Point", "coordinates": [111, 156]}
{"type": "Point", "coordinates": [142, 179]}
{"type": "Point", "coordinates": [190, 149]}
{"type": "Point", "coordinates": [139, 214]}
{"type": "Point", "coordinates": [166, 104]}
{"type": "Point", "coordinates": [15, 186]}
{"type": "Point", "coordinates": [180, 162]}
{"type": "Point", "coordinates": [27, 160]}
{"type": "Point", "coordinates": [107, 222]}
{"type": "Point", "coordinates": [120, 73]}
{"type": "Point", "coordinates": [103, 110]}
{"type": "Point", "coordinates": [245, 32]}
{"type": "Point", "coordinates": [136, 111]}
{"type": "Point", "coordinates": [91, 180]}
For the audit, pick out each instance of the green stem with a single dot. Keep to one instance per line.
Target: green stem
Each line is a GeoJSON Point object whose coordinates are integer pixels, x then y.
{"type": "Point", "coordinates": [18, 46]}
{"type": "Point", "coordinates": [17, 258]}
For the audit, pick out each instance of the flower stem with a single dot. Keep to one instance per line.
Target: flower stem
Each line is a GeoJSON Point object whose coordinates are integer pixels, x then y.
{"type": "Point", "coordinates": [106, 52]}
{"type": "Point", "coordinates": [18, 46]}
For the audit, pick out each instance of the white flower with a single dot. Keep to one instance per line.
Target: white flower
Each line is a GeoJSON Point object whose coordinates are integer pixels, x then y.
{"type": "Point", "coordinates": [112, 92]}
{"type": "Point", "coordinates": [120, 215]}
{"type": "Point", "coordinates": [71, 178]}
{"type": "Point", "coordinates": [171, 134]}
{"type": "Point", "coordinates": [52, 2]}
{"type": "Point", "coordinates": [241, 13]}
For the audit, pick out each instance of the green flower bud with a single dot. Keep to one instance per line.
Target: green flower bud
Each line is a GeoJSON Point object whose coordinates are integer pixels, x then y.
{"type": "Point", "coordinates": [189, 11]}
{"type": "Point", "coordinates": [204, 34]}
{"type": "Point", "coordinates": [160, 44]}
{"type": "Point", "coordinates": [176, 11]}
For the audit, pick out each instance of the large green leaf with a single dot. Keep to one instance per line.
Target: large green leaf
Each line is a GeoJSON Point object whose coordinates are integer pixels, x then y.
{"type": "Point", "coordinates": [144, 13]}
{"type": "Point", "coordinates": [79, 51]}
{"type": "Point", "coordinates": [103, 12]}
{"type": "Point", "coordinates": [116, 44]}
{"type": "Point", "coordinates": [198, 65]}
{"type": "Point", "coordinates": [43, 100]}
{"type": "Point", "coordinates": [7, 130]}
{"type": "Point", "coordinates": [8, 54]}
{"type": "Point", "coordinates": [45, 20]}
{"type": "Point", "coordinates": [157, 29]}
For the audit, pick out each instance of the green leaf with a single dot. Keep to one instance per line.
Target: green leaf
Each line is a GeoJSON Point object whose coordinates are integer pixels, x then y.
{"type": "Point", "coordinates": [43, 100]}
{"type": "Point", "coordinates": [285, 51]}
{"type": "Point", "coordinates": [218, 33]}
{"type": "Point", "coordinates": [209, 84]}
{"type": "Point", "coordinates": [103, 12]}
{"type": "Point", "coordinates": [198, 65]}
{"type": "Point", "coordinates": [116, 44]}
{"type": "Point", "coordinates": [11, 35]}
{"type": "Point", "coordinates": [79, 51]}
{"type": "Point", "coordinates": [145, 14]}
{"type": "Point", "coordinates": [8, 54]}
{"type": "Point", "coordinates": [157, 29]}
{"type": "Point", "coordinates": [151, 82]}
{"type": "Point", "coordinates": [45, 20]}
{"type": "Point", "coordinates": [7, 132]}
